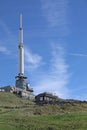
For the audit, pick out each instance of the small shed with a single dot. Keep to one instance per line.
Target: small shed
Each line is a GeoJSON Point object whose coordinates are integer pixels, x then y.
{"type": "Point", "coordinates": [45, 98]}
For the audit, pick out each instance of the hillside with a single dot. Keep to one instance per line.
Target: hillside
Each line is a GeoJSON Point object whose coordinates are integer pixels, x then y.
{"type": "Point", "coordinates": [11, 100]}
{"type": "Point", "coordinates": [19, 114]}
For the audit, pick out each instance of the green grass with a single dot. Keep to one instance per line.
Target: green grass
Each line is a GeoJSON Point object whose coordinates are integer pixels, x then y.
{"type": "Point", "coordinates": [28, 116]}
{"type": "Point", "coordinates": [11, 100]}
{"type": "Point", "coordinates": [11, 121]}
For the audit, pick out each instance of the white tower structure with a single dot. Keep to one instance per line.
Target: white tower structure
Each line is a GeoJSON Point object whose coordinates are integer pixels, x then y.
{"type": "Point", "coordinates": [21, 82]}
{"type": "Point", "coordinates": [21, 49]}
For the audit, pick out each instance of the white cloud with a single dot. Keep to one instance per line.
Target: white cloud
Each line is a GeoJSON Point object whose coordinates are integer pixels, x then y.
{"type": "Point", "coordinates": [56, 79]}
{"type": "Point", "coordinates": [32, 61]}
{"type": "Point", "coordinates": [55, 11]}
{"type": "Point", "coordinates": [78, 54]}
{"type": "Point", "coordinates": [4, 50]}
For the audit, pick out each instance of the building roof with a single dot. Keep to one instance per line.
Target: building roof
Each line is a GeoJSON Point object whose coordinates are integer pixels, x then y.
{"type": "Point", "coordinates": [50, 95]}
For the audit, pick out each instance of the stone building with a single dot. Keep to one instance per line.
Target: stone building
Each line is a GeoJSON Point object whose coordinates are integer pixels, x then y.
{"type": "Point", "coordinates": [6, 89]}
{"type": "Point", "coordinates": [45, 97]}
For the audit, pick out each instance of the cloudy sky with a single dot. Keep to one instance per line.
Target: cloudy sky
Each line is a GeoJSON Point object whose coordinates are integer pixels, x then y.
{"type": "Point", "coordinates": [55, 41]}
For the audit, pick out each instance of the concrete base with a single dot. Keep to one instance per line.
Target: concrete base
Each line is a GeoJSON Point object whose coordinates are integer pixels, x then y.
{"type": "Point", "coordinates": [24, 94]}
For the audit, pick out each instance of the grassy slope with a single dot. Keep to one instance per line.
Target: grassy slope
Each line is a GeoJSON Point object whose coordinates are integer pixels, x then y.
{"type": "Point", "coordinates": [27, 116]}
{"type": "Point", "coordinates": [9, 99]}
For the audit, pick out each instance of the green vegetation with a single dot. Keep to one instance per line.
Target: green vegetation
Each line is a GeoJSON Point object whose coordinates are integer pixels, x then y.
{"type": "Point", "coordinates": [11, 100]}
{"type": "Point", "coordinates": [19, 114]}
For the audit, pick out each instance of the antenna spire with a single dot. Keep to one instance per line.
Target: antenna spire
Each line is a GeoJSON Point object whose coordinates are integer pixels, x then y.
{"type": "Point", "coordinates": [20, 21]}
{"type": "Point", "coordinates": [21, 31]}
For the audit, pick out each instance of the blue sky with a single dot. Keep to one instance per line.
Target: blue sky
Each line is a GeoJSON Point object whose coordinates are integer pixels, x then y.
{"type": "Point", "coordinates": [55, 41]}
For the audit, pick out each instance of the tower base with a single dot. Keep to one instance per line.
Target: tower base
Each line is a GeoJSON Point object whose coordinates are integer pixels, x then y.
{"type": "Point", "coordinates": [22, 83]}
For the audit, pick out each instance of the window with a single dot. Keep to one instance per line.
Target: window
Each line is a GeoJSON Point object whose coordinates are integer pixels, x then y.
{"type": "Point", "coordinates": [41, 98]}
